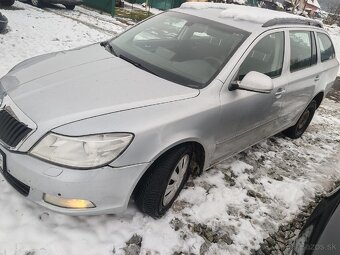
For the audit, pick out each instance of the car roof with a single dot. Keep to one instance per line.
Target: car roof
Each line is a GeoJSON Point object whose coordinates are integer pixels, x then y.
{"type": "Point", "coordinates": [248, 18]}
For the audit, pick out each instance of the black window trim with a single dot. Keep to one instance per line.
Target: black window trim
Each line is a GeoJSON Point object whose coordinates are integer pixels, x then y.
{"type": "Point", "coordinates": [258, 39]}
{"type": "Point", "coordinates": [314, 46]}
{"type": "Point", "coordinates": [311, 41]}
{"type": "Point", "coordinates": [317, 35]}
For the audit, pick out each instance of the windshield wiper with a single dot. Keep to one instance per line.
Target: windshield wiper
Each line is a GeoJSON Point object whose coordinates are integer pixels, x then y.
{"type": "Point", "coordinates": [136, 64]}
{"type": "Point", "coordinates": [109, 47]}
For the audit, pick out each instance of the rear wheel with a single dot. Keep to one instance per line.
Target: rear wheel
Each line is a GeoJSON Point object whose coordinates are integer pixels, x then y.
{"type": "Point", "coordinates": [7, 2]}
{"type": "Point", "coordinates": [162, 183]}
{"type": "Point", "coordinates": [37, 3]}
{"type": "Point", "coordinates": [70, 7]}
{"type": "Point", "coordinates": [300, 127]}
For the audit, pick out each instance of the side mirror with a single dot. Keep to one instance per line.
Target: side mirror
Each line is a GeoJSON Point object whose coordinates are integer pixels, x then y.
{"type": "Point", "coordinates": [256, 82]}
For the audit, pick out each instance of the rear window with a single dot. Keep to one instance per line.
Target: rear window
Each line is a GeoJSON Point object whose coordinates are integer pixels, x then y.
{"type": "Point", "coordinates": [326, 47]}
{"type": "Point", "coordinates": [302, 50]}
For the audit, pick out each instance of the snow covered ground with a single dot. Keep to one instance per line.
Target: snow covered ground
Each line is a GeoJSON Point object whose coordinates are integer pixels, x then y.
{"type": "Point", "coordinates": [228, 210]}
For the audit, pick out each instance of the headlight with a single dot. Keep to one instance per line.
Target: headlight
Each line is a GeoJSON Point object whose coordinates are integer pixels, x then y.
{"type": "Point", "coordinates": [84, 151]}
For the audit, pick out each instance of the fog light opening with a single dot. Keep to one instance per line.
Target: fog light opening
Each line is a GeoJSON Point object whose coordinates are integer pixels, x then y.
{"type": "Point", "coordinates": [68, 203]}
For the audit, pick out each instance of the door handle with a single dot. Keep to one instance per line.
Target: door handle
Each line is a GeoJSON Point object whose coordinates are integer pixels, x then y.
{"type": "Point", "coordinates": [279, 92]}
{"type": "Point", "coordinates": [317, 78]}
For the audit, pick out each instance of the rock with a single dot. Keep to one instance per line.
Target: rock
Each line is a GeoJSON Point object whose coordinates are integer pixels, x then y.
{"type": "Point", "coordinates": [226, 239]}
{"type": "Point", "coordinates": [251, 193]}
{"type": "Point", "coordinates": [246, 216]}
{"type": "Point", "coordinates": [282, 246]}
{"type": "Point", "coordinates": [211, 236]}
{"type": "Point", "coordinates": [259, 252]}
{"type": "Point", "coordinates": [264, 248]}
{"type": "Point", "coordinates": [132, 249]}
{"type": "Point", "coordinates": [204, 248]}
{"type": "Point", "coordinates": [176, 224]}
{"type": "Point", "coordinates": [190, 184]}
{"type": "Point", "coordinates": [179, 205]}
{"type": "Point", "coordinates": [275, 252]}
{"type": "Point", "coordinates": [271, 242]}
{"type": "Point", "coordinates": [229, 179]}
{"type": "Point", "coordinates": [252, 180]}
{"type": "Point", "coordinates": [135, 239]}
{"type": "Point", "coordinates": [197, 228]}
{"type": "Point", "coordinates": [277, 177]}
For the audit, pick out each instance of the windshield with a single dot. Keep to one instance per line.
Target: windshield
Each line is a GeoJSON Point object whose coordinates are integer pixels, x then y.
{"type": "Point", "coordinates": [181, 48]}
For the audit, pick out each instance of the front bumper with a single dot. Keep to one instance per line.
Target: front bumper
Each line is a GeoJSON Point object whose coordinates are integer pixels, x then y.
{"type": "Point", "coordinates": [108, 188]}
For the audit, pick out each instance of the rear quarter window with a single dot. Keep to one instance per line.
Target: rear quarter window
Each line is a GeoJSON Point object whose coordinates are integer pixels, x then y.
{"type": "Point", "coordinates": [326, 47]}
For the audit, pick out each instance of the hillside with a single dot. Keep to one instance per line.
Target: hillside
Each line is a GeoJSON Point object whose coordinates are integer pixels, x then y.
{"type": "Point", "coordinates": [328, 5]}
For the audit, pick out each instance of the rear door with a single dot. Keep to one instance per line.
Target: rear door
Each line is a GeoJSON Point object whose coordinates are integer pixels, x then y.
{"type": "Point", "coordinates": [328, 62]}
{"type": "Point", "coordinates": [304, 74]}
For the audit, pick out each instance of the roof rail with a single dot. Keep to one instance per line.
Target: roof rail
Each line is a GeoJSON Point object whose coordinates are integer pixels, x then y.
{"type": "Point", "coordinates": [292, 21]}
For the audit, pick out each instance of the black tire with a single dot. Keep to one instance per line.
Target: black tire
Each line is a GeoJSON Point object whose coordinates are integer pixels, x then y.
{"type": "Point", "coordinates": [7, 2]}
{"type": "Point", "coordinates": [300, 127]}
{"type": "Point", "coordinates": [70, 7]}
{"type": "Point", "coordinates": [150, 191]}
{"type": "Point", "coordinates": [37, 3]}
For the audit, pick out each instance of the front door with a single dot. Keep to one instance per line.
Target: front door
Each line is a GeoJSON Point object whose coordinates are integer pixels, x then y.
{"type": "Point", "coordinates": [248, 117]}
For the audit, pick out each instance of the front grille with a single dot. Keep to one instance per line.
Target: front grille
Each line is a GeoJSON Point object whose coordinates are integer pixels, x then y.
{"type": "Point", "coordinates": [12, 131]}
{"type": "Point", "coordinates": [22, 188]}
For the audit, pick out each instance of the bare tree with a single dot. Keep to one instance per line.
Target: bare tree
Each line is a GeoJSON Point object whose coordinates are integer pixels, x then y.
{"type": "Point", "coordinates": [334, 15]}
{"type": "Point", "coordinates": [295, 4]}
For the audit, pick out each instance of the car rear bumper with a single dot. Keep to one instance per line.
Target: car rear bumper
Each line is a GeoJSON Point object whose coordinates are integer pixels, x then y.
{"type": "Point", "coordinates": [108, 188]}
{"type": "Point", "coordinates": [66, 2]}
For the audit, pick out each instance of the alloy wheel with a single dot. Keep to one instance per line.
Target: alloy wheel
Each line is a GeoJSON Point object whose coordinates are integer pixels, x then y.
{"type": "Point", "coordinates": [176, 179]}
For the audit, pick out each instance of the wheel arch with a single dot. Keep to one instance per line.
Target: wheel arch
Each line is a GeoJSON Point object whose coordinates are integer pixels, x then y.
{"type": "Point", "coordinates": [318, 98]}
{"type": "Point", "coordinates": [196, 165]}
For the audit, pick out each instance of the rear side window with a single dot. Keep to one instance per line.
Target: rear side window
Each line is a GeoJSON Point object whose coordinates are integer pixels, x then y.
{"type": "Point", "coordinates": [302, 50]}
{"type": "Point", "coordinates": [266, 57]}
{"type": "Point", "coordinates": [326, 47]}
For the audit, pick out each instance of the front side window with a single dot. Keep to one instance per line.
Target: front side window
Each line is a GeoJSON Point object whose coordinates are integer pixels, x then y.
{"type": "Point", "coordinates": [182, 48]}
{"type": "Point", "coordinates": [266, 57]}
{"type": "Point", "coordinates": [302, 50]}
{"type": "Point", "coordinates": [326, 47]}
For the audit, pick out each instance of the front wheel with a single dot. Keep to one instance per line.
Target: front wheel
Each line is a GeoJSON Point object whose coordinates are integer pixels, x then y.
{"type": "Point", "coordinates": [70, 7]}
{"type": "Point", "coordinates": [162, 183]}
{"type": "Point", "coordinates": [300, 127]}
{"type": "Point", "coordinates": [7, 2]}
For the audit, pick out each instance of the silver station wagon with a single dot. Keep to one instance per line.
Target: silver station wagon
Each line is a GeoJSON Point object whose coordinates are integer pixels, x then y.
{"type": "Point", "coordinates": [87, 130]}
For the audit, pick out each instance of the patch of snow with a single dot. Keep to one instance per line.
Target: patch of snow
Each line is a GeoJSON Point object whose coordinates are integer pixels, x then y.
{"type": "Point", "coordinates": [242, 2]}
{"type": "Point", "coordinates": [237, 12]}
{"type": "Point", "coordinates": [280, 5]}
{"type": "Point", "coordinates": [143, 7]}
{"type": "Point", "coordinates": [34, 32]}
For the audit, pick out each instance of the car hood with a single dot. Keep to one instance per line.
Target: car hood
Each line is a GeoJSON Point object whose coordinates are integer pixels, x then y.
{"type": "Point", "coordinates": [68, 86]}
